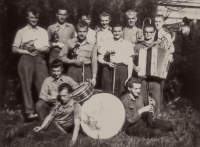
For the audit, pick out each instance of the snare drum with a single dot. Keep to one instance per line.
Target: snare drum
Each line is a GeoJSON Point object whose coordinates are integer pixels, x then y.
{"type": "Point", "coordinates": [102, 116]}
{"type": "Point", "coordinates": [83, 91]}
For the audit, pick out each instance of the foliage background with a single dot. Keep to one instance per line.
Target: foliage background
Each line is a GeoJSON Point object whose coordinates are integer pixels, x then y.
{"type": "Point", "coordinates": [183, 79]}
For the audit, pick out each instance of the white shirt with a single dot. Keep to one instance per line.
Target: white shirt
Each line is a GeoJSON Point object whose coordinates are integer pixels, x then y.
{"type": "Point", "coordinates": [38, 35]}
{"type": "Point", "coordinates": [123, 50]}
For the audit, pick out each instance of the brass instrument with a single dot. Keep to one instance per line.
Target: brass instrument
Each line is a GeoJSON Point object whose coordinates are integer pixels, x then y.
{"type": "Point", "coordinates": [29, 43]}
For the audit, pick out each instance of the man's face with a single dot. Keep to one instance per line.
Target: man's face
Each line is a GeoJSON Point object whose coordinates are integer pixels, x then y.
{"type": "Point", "coordinates": [117, 32]}
{"type": "Point", "coordinates": [65, 96]}
{"type": "Point", "coordinates": [159, 23]}
{"type": "Point", "coordinates": [57, 72]}
{"type": "Point", "coordinates": [131, 20]}
{"type": "Point", "coordinates": [148, 33]}
{"type": "Point", "coordinates": [61, 16]}
{"type": "Point", "coordinates": [104, 20]}
{"type": "Point", "coordinates": [32, 19]}
{"type": "Point", "coordinates": [87, 19]}
{"type": "Point", "coordinates": [82, 32]}
{"type": "Point", "coordinates": [135, 90]}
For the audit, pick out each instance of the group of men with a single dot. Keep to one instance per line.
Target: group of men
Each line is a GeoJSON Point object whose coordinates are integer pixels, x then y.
{"type": "Point", "coordinates": [113, 49]}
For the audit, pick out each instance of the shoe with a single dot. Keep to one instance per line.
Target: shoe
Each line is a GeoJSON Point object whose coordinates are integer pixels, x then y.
{"type": "Point", "coordinates": [32, 116]}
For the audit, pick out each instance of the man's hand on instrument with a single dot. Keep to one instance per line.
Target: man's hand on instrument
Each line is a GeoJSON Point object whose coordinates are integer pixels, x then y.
{"type": "Point", "coordinates": [78, 63]}
{"type": "Point", "coordinates": [35, 53]}
{"type": "Point", "coordinates": [152, 101]}
{"type": "Point", "coordinates": [93, 81]}
{"type": "Point", "coordinates": [137, 68]}
{"type": "Point", "coordinates": [110, 64]}
{"type": "Point", "coordinates": [171, 59]}
{"type": "Point", "coordinates": [148, 108]}
{"type": "Point", "coordinates": [37, 129]}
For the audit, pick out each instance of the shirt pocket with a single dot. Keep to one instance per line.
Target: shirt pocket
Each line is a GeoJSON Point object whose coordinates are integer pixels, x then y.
{"type": "Point", "coordinates": [87, 52]}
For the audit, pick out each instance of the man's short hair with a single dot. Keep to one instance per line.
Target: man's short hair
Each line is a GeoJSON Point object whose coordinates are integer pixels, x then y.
{"type": "Point", "coordinates": [160, 15]}
{"type": "Point", "coordinates": [65, 86]}
{"type": "Point", "coordinates": [56, 64]}
{"type": "Point", "coordinates": [84, 13]}
{"type": "Point", "coordinates": [149, 26]}
{"type": "Point", "coordinates": [133, 80]}
{"type": "Point", "coordinates": [81, 24]}
{"type": "Point", "coordinates": [131, 12]}
{"type": "Point", "coordinates": [104, 14]}
{"type": "Point", "coordinates": [61, 7]}
{"type": "Point", "coordinates": [117, 25]}
{"type": "Point", "coordinates": [35, 10]}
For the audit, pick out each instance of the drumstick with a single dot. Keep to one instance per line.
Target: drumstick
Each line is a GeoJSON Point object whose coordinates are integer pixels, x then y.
{"type": "Point", "coordinates": [83, 73]}
{"type": "Point", "coordinates": [113, 86]}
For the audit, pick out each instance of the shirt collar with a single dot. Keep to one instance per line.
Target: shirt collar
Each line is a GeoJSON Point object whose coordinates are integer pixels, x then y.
{"type": "Point", "coordinates": [132, 28]}
{"type": "Point", "coordinates": [131, 97]}
{"type": "Point", "coordinates": [148, 44]}
{"type": "Point", "coordinates": [62, 26]}
{"type": "Point", "coordinates": [60, 79]}
{"type": "Point", "coordinates": [70, 103]}
{"type": "Point", "coordinates": [120, 40]}
{"type": "Point", "coordinates": [104, 30]}
{"type": "Point", "coordinates": [29, 27]}
{"type": "Point", "coordinates": [84, 42]}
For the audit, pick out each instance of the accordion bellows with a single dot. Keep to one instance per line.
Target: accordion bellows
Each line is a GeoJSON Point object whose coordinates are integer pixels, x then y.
{"type": "Point", "coordinates": [153, 62]}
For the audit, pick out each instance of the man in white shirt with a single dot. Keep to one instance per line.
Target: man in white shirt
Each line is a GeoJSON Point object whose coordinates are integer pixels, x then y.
{"type": "Point", "coordinates": [31, 42]}
{"type": "Point", "coordinates": [116, 53]}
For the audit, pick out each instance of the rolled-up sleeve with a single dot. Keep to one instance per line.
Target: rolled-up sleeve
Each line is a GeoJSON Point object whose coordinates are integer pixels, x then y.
{"type": "Point", "coordinates": [17, 40]}
{"type": "Point", "coordinates": [44, 90]}
{"type": "Point", "coordinates": [45, 39]}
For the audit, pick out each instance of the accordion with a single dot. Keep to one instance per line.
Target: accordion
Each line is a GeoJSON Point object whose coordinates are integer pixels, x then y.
{"type": "Point", "coordinates": [153, 62]}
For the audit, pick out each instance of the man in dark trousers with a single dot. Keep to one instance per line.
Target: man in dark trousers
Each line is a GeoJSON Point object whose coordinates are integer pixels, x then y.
{"type": "Point", "coordinates": [140, 119]}
{"type": "Point", "coordinates": [81, 56]}
{"type": "Point", "coordinates": [31, 42]}
{"type": "Point", "coordinates": [116, 55]}
{"type": "Point", "coordinates": [65, 116]}
{"type": "Point", "coordinates": [59, 33]}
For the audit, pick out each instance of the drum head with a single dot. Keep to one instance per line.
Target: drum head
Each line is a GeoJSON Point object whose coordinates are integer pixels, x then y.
{"type": "Point", "coordinates": [103, 116]}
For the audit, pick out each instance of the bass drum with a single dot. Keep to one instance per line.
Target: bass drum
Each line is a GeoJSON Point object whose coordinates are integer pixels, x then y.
{"type": "Point", "coordinates": [103, 116]}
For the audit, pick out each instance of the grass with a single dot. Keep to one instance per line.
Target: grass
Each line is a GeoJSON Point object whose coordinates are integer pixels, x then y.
{"type": "Point", "coordinates": [186, 132]}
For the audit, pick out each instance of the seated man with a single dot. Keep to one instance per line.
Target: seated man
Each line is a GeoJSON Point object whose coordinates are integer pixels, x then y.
{"type": "Point", "coordinates": [49, 91]}
{"type": "Point", "coordinates": [139, 117]}
{"type": "Point", "coordinates": [65, 115]}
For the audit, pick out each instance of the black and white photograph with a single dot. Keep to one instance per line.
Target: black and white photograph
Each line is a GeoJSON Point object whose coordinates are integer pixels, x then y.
{"type": "Point", "coordinates": [100, 73]}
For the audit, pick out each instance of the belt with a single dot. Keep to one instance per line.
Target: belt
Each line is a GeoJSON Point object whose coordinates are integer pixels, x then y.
{"type": "Point", "coordinates": [120, 64]}
{"type": "Point", "coordinates": [85, 65]}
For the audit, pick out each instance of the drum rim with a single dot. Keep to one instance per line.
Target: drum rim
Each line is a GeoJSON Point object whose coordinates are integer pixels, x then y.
{"type": "Point", "coordinates": [124, 120]}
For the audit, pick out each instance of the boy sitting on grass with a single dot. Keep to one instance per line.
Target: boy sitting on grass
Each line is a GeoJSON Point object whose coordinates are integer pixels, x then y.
{"type": "Point", "coordinates": [65, 115]}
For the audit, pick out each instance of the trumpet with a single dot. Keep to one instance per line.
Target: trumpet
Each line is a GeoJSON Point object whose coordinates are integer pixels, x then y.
{"type": "Point", "coordinates": [29, 43]}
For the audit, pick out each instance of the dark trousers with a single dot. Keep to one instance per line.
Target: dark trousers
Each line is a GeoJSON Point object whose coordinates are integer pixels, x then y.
{"type": "Point", "coordinates": [121, 75]}
{"type": "Point", "coordinates": [52, 131]}
{"type": "Point", "coordinates": [156, 89]}
{"type": "Point", "coordinates": [75, 72]}
{"type": "Point", "coordinates": [43, 109]}
{"type": "Point", "coordinates": [31, 70]}
{"type": "Point", "coordinates": [140, 128]}
{"type": "Point", "coordinates": [54, 54]}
